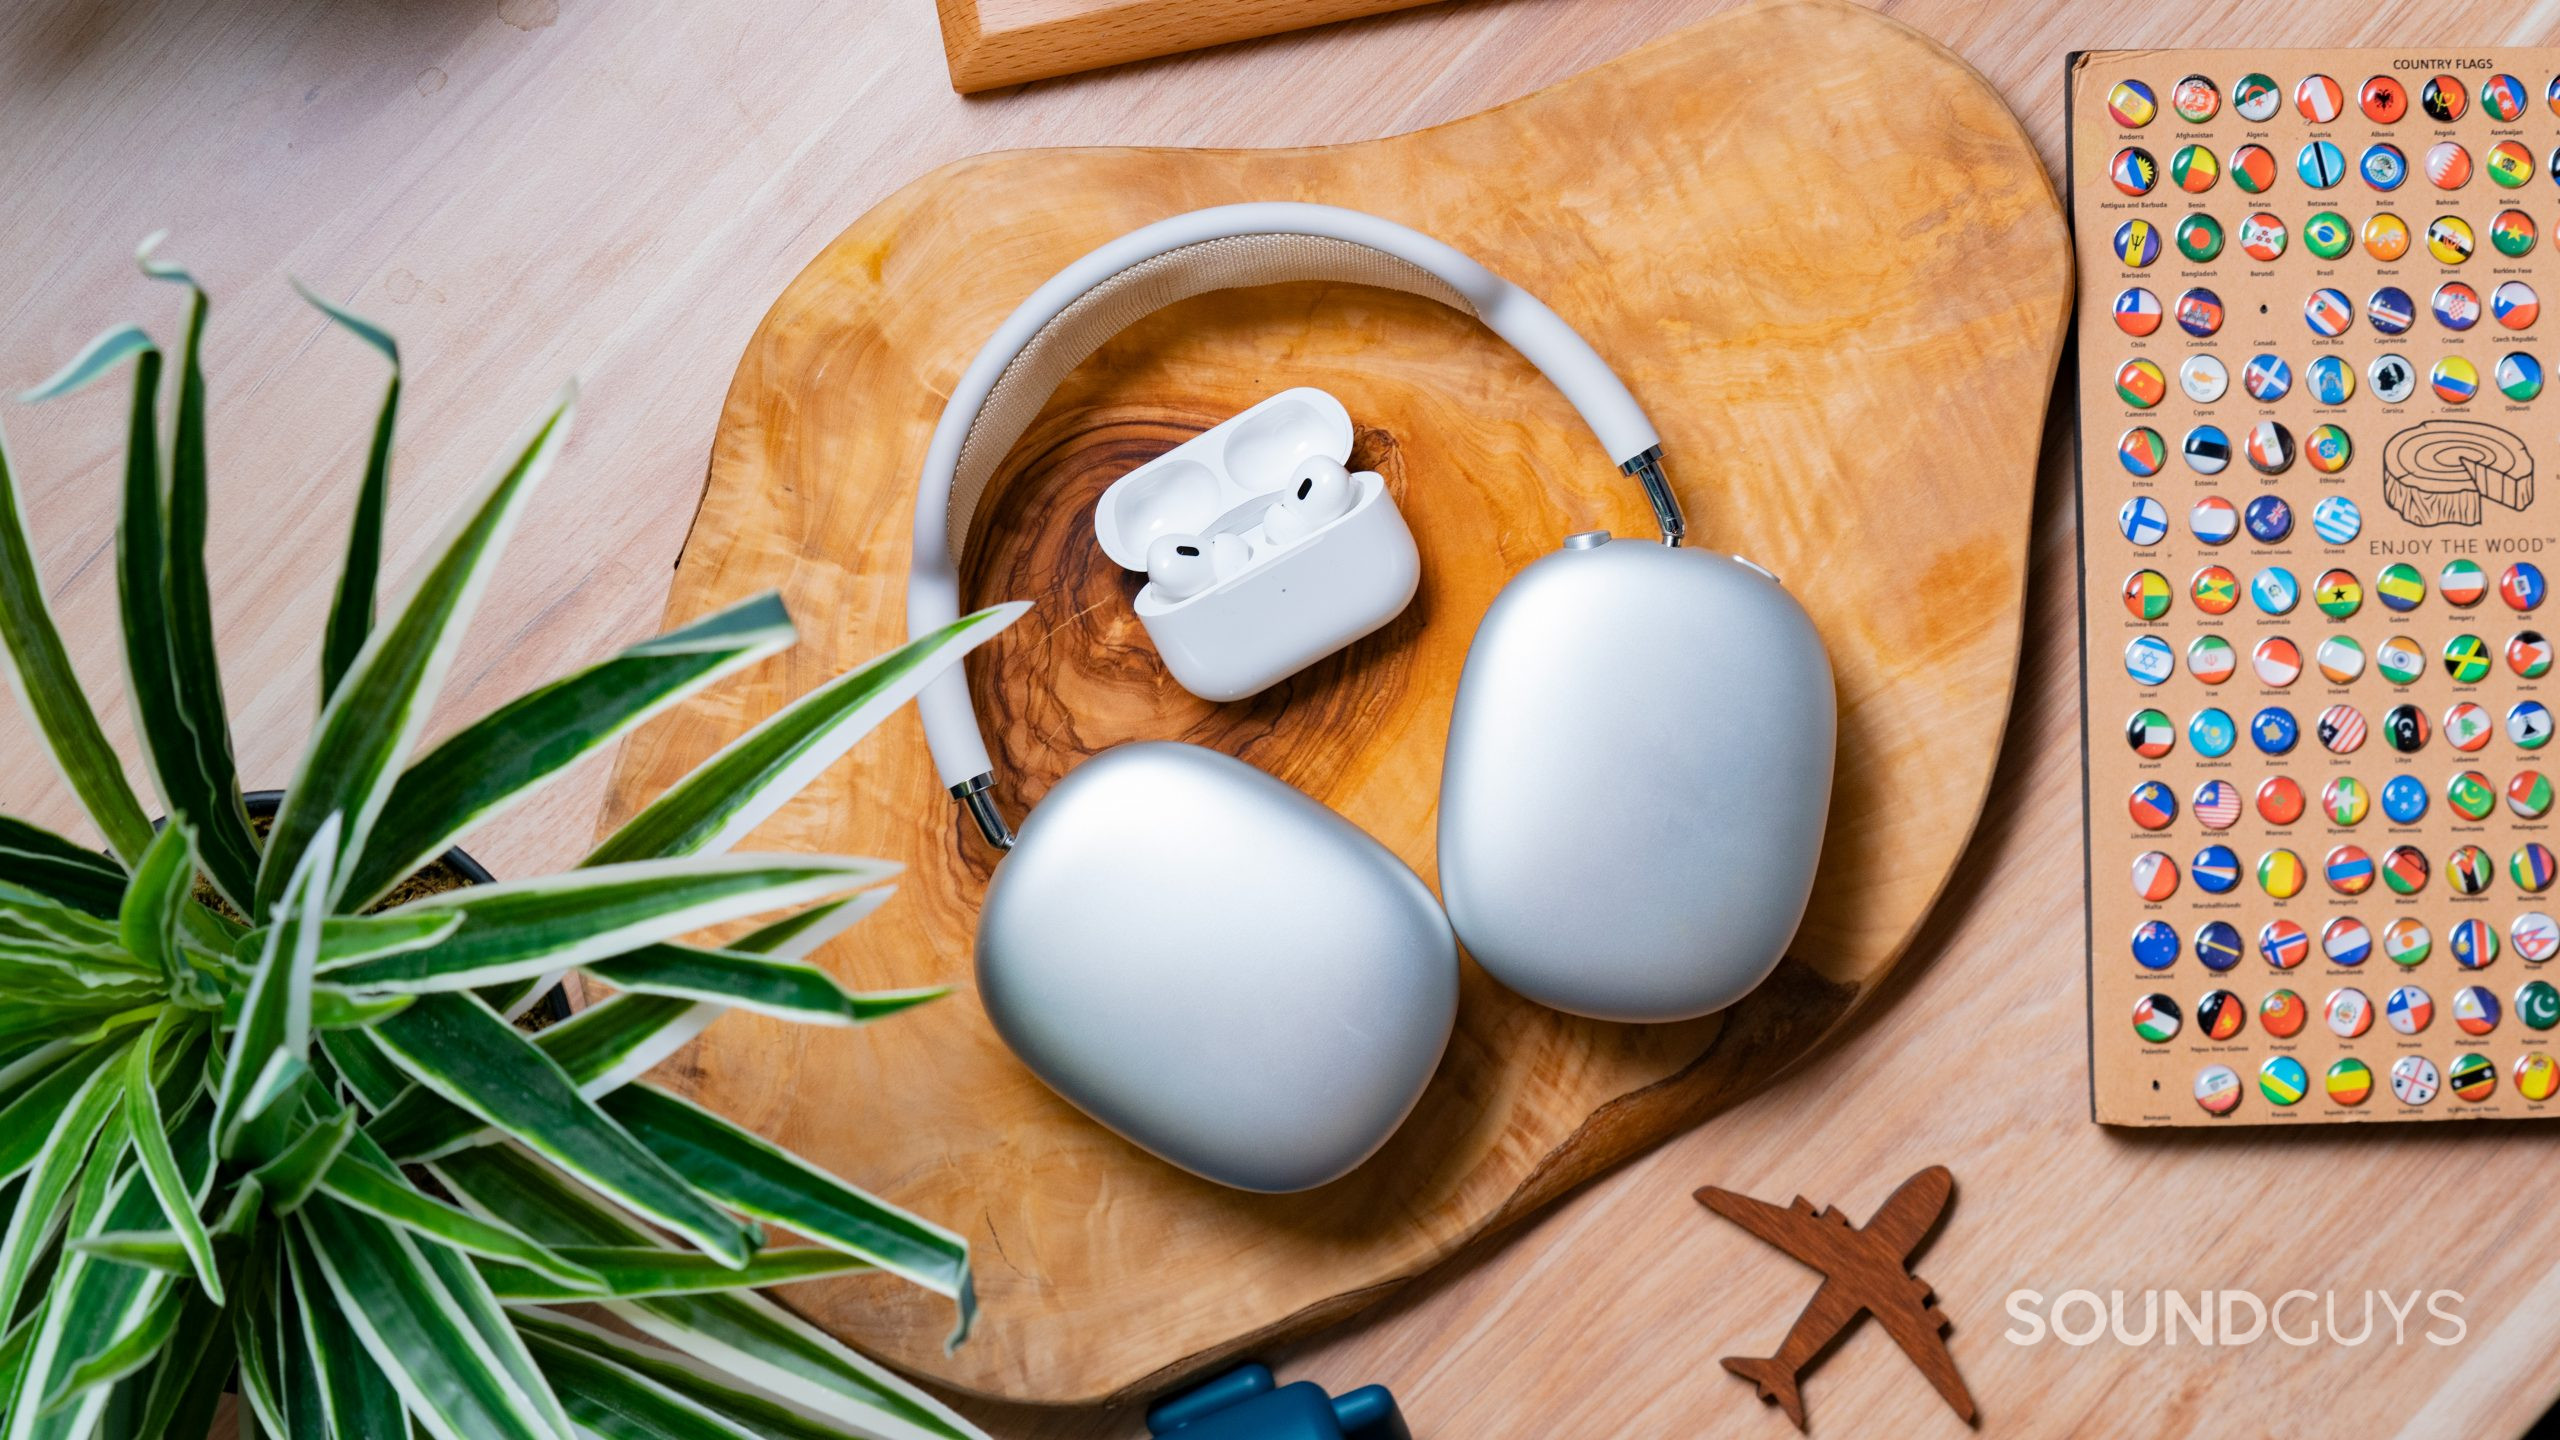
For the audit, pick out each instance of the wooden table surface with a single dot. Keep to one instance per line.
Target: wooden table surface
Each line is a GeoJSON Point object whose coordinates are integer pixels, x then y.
{"type": "Point", "coordinates": [524, 188]}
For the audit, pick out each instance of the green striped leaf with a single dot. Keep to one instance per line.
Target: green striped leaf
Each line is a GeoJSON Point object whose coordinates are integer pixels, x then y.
{"type": "Point", "coordinates": [357, 1399]}
{"type": "Point", "coordinates": [552, 1334]}
{"type": "Point", "coordinates": [180, 1197]}
{"type": "Point", "coordinates": [493, 764]}
{"type": "Point", "coordinates": [351, 611]}
{"type": "Point", "coordinates": [361, 1176]}
{"type": "Point", "coordinates": [58, 1136]}
{"type": "Point", "coordinates": [363, 1067]}
{"type": "Point", "coordinates": [460, 1049]}
{"type": "Point", "coordinates": [159, 1250]}
{"type": "Point", "coordinates": [296, 1170]}
{"type": "Point", "coordinates": [783, 988]}
{"type": "Point", "coordinates": [734, 791]}
{"type": "Point", "coordinates": [125, 1354]}
{"type": "Point", "coordinates": [333, 1008]}
{"type": "Point", "coordinates": [348, 939]}
{"type": "Point", "coordinates": [755, 1177]}
{"type": "Point", "coordinates": [521, 929]}
{"type": "Point", "coordinates": [268, 1049]}
{"type": "Point", "coordinates": [375, 714]}
{"type": "Point", "coordinates": [40, 861]}
{"type": "Point", "coordinates": [149, 922]}
{"type": "Point", "coordinates": [39, 670]}
{"type": "Point", "coordinates": [259, 1333]}
{"type": "Point", "coordinates": [418, 1334]}
{"type": "Point", "coordinates": [615, 1403]}
{"type": "Point", "coordinates": [185, 722]}
{"type": "Point", "coordinates": [28, 1124]}
{"type": "Point", "coordinates": [91, 1305]}
{"type": "Point", "coordinates": [640, 1272]}
{"type": "Point", "coordinates": [193, 1372]}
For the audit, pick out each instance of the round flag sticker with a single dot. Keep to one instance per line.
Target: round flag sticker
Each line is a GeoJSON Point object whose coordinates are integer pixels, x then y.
{"type": "Point", "coordinates": [2262, 237]}
{"type": "Point", "coordinates": [2382, 165]}
{"type": "Point", "coordinates": [2199, 312]}
{"type": "Point", "coordinates": [2348, 1082]}
{"type": "Point", "coordinates": [2531, 867]}
{"type": "Point", "coordinates": [2200, 238]}
{"type": "Point", "coordinates": [2476, 1010]}
{"type": "Point", "coordinates": [2529, 795]}
{"type": "Point", "coordinates": [2281, 1079]}
{"type": "Point", "coordinates": [2470, 796]}
{"type": "Point", "coordinates": [2142, 451]}
{"type": "Point", "coordinates": [2341, 660]}
{"type": "Point", "coordinates": [2400, 660]}
{"type": "Point", "coordinates": [2320, 164]}
{"type": "Point", "coordinates": [2529, 725]}
{"type": "Point", "coordinates": [2537, 1001]}
{"type": "Point", "coordinates": [2274, 731]}
{"type": "Point", "coordinates": [2466, 657]}
{"type": "Point", "coordinates": [2514, 305]}
{"type": "Point", "coordinates": [2413, 1080]}
{"type": "Point", "coordinates": [2462, 582]}
{"type": "Point", "coordinates": [2448, 165]}
{"type": "Point", "coordinates": [2156, 1019]}
{"type": "Point", "coordinates": [2328, 448]}
{"type": "Point", "coordinates": [2386, 237]}
{"type": "Point", "coordinates": [2344, 800]}
{"type": "Point", "coordinates": [2393, 378]}
{"type": "Point", "coordinates": [2348, 869]}
{"type": "Point", "coordinates": [2194, 169]}
{"type": "Point", "coordinates": [2443, 99]}
{"type": "Point", "coordinates": [2255, 98]}
{"type": "Point", "coordinates": [2137, 311]}
{"type": "Point", "coordinates": [2408, 1009]}
{"type": "Point", "coordinates": [2336, 519]}
{"type": "Point", "coordinates": [2131, 104]}
{"type": "Point", "coordinates": [2329, 312]}
{"type": "Point", "coordinates": [2140, 384]}
{"type": "Point", "coordinates": [2454, 380]}
{"type": "Point", "coordinates": [2321, 100]}
{"type": "Point", "coordinates": [2400, 586]}
{"type": "Point", "coordinates": [2471, 1076]}
{"type": "Point", "coordinates": [2149, 660]}
{"type": "Point", "coordinates": [2151, 734]}
{"type": "Point", "coordinates": [2509, 164]}
{"type": "Point", "coordinates": [2270, 451]}
{"type": "Point", "coordinates": [2218, 946]}
{"type": "Point", "coordinates": [2277, 661]}
{"type": "Point", "coordinates": [2328, 236]}
{"type": "Point", "coordinates": [2275, 591]}
{"type": "Point", "coordinates": [2282, 1014]}
{"type": "Point", "coordinates": [2341, 729]}
{"type": "Point", "coordinates": [2280, 874]}
{"type": "Point", "coordinates": [2390, 310]}
{"type": "Point", "coordinates": [2339, 594]}
{"type": "Point", "coordinates": [2406, 941]}
{"type": "Point", "coordinates": [2283, 944]}
{"type": "Point", "coordinates": [2537, 1075]}
{"type": "Point", "coordinates": [2404, 800]}
{"type": "Point", "coordinates": [2456, 305]}
{"type": "Point", "coordinates": [2220, 1015]}
{"type": "Point", "coordinates": [2146, 594]}
{"type": "Point", "coordinates": [2467, 726]}
{"type": "Point", "coordinates": [2155, 876]}
{"type": "Point", "coordinates": [2348, 1012]}
{"type": "Point", "coordinates": [2215, 590]}
{"type": "Point", "coordinates": [2519, 375]}
{"type": "Point", "coordinates": [2474, 944]}
{"type": "Point", "coordinates": [2215, 870]}
{"type": "Point", "coordinates": [2502, 96]}
{"type": "Point", "coordinates": [2404, 867]}
{"type": "Point", "coordinates": [2153, 806]}
{"type": "Point", "coordinates": [2208, 452]}
{"type": "Point", "coordinates": [2217, 804]}
{"type": "Point", "coordinates": [2383, 100]}
{"type": "Point", "coordinates": [2269, 519]}
{"type": "Point", "coordinates": [2512, 233]}
{"type": "Point", "coordinates": [2211, 659]}
{"type": "Point", "coordinates": [2203, 378]}
{"type": "Point", "coordinates": [2345, 941]}
{"type": "Point", "coordinates": [2155, 945]}
{"type": "Point", "coordinates": [2469, 868]}
{"type": "Point", "coordinates": [2212, 732]}
{"type": "Point", "coordinates": [2448, 239]}
{"type": "Point", "coordinates": [2266, 377]}
{"type": "Point", "coordinates": [2196, 99]}
{"type": "Point", "coordinates": [2521, 585]}
{"type": "Point", "coordinates": [2218, 1089]}
{"type": "Point", "coordinates": [2279, 800]}
{"type": "Point", "coordinates": [2405, 729]}
{"type": "Point", "coordinates": [2253, 169]}
{"type": "Point", "coordinates": [2332, 379]}
{"type": "Point", "coordinates": [2137, 243]}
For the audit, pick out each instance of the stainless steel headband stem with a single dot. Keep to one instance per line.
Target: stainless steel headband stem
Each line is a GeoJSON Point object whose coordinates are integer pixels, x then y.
{"type": "Point", "coordinates": [973, 796]}
{"type": "Point", "coordinates": [1647, 468]}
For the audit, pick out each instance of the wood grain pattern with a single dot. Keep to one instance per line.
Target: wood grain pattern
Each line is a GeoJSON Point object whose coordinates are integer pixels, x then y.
{"type": "Point", "coordinates": [1783, 392]}
{"type": "Point", "coordinates": [625, 190]}
{"type": "Point", "coordinates": [991, 43]}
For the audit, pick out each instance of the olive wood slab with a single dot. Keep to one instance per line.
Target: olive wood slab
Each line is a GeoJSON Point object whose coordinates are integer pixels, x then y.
{"type": "Point", "coordinates": [1846, 326]}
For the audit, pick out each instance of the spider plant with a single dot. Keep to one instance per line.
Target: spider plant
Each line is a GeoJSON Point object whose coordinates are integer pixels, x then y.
{"type": "Point", "coordinates": [261, 1130]}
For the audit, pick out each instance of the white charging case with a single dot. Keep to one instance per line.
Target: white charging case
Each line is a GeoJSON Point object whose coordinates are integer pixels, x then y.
{"type": "Point", "coordinates": [1290, 606]}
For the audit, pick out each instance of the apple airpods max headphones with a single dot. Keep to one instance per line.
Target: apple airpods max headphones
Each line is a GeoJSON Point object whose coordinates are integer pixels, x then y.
{"type": "Point", "coordinates": [1233, 976]}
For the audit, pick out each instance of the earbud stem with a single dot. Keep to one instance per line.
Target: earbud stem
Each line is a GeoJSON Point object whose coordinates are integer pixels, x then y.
{"type": "Point", "coordinates": [1647, 468]}
{"type": "Point", "coordinates": [973, 796]}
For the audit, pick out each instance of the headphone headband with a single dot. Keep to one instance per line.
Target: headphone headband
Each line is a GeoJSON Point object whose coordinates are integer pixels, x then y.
{"type": "Point", "coordinates": [1222, 248]}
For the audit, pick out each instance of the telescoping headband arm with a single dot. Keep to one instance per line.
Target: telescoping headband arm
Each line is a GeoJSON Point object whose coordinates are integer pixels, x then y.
{"type": "Point", "coordinates": [1226, 247]}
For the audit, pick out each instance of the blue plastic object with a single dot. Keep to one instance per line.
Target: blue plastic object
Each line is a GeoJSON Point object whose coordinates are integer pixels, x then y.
{"type": "Point", "coordinates": [1247, 1404]}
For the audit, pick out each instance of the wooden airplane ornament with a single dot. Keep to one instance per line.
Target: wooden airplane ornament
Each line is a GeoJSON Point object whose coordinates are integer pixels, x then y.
{"type": "Point", "coordinates": [1865, 1271]}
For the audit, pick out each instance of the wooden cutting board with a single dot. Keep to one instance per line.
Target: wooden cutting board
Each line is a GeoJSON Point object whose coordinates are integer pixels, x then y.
{"type": "Point", "coordinates": [1831, 265]}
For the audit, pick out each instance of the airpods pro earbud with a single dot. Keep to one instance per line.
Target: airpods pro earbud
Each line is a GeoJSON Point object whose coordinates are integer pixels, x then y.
{"type": "Point", "coordinates": [1181, 566]}
{"type": "Point", "coordinates": [1319, 492]}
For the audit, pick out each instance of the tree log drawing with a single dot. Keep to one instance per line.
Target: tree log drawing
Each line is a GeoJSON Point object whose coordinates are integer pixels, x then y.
{"type": "Point", "coordinates": [2438, 472]}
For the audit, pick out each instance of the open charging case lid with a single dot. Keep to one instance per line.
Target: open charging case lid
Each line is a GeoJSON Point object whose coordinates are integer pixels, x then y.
{"type": "Point", "coordinates": [1199, 486]}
